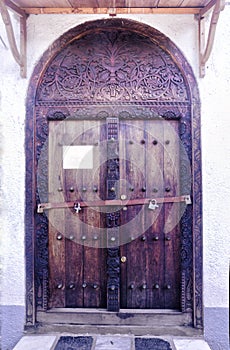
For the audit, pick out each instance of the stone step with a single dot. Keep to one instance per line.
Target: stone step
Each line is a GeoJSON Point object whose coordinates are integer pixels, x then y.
{"type": "Point", "coordinates": [36, 342]}
{"type": "Point", "coordinates": [108, 342]}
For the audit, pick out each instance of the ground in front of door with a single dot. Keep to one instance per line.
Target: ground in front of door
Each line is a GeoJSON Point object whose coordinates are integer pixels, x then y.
{"type": "Point", "coordinates": [107, 342]}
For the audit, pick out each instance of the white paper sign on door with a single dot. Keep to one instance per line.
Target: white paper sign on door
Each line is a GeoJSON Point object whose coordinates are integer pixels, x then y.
{"type": "Point", "coordinates": [77, 157]}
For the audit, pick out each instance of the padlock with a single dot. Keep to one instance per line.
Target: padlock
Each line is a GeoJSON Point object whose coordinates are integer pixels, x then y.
{"type": "Point", "coordinates": [153, 204]}
{"type": "Point", "coordinates": [77, 207]}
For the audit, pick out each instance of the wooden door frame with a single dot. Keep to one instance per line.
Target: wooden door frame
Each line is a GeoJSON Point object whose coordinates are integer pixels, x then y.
{"type": "Point", "coordinates": [37, 116]}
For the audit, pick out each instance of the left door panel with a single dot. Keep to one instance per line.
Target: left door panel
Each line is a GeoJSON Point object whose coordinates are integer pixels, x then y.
{"type": "Point", "coordinates": [77, 259]}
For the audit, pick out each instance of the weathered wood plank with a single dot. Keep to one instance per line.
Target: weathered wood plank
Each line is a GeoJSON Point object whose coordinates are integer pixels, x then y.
{"type": "Point", "coordinates": [140, 329]}
{"type": "Point", "coordinates": [42, 3]}
{"type": "Point", "coordinates": [107, 10]}
{"type": "Point", "coordinates": [155, 218]}
{"type": "Point", "coordinates": [133, 176]}
{"type": "Point", "coordinates": [57, 275]}
{"type": "Point", "coordinates": [171, 222]}
{"type": "Point", "coordinates": [74, 251]}
{"type": "Point", "coordinates": [168, 318]}
{"type": "Point", "coordinates": [94, 257]}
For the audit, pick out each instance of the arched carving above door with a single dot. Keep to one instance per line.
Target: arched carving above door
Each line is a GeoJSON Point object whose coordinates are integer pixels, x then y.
{"type": "Point", "coordinates": [112, 67]}
{"type": "Point", "coordinates": [103, 69]}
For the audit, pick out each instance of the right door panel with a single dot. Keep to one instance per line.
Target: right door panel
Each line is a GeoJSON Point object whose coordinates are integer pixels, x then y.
{"type": "Point", "coordinates": [149, 168]}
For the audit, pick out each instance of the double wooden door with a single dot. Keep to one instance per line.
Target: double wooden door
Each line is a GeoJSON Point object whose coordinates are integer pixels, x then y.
{"type": "Point", "coordinates": [113, 187]}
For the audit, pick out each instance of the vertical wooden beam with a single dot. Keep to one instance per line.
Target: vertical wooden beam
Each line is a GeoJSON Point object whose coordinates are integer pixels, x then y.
{"type": "Point", "coordinates": [23, 46]}
{"type": "Point", "coordinates": [20, 57]}
{"type": "Point", "coordinates": [201, 44]}
{"type": "Point", "coordinates": [205, 50]}
{"type": "Point", "coordinates": [112, 218]}
{"type": "Point", "coordinates": [9, 30]}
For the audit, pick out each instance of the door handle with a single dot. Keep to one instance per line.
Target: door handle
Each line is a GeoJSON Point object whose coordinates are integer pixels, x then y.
{"type": "Point", "coordinates": [123, 259]}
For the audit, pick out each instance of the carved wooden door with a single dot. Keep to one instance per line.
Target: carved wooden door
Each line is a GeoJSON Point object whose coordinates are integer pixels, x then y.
{"type": "Point", "coordinates": [77, 254]}
{"type": "Point", "coordinates": [114, 238]}
{"type": "Point", "coordinates": [150, 271]}
{"type": "Point", "coordinates": [129, 245]}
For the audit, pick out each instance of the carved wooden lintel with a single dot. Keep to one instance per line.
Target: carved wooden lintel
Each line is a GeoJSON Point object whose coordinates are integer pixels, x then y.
{"type": "Point", "coordinates": [205, 49]}
{"type": "Point", "coordinates": [19, 55]}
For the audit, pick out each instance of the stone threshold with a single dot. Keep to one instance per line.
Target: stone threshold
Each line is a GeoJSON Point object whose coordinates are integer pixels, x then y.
{"type": "Point", "coordinates": [108, 342]}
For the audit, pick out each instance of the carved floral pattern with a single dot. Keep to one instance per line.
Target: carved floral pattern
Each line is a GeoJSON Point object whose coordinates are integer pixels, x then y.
{"type": "Point", "coordinates": [113, 66]}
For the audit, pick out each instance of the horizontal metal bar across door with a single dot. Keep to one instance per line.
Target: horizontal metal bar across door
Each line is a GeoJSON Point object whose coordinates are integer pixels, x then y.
{"type": "Point", "coordinates": [113, 202]}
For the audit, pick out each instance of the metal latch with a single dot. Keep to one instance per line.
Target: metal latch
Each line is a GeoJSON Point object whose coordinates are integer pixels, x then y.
{"type": "Point", "coordinates": [40, 209]}
{"type": "Point", "coordinates": [77, 207]}
{"type": "Point", "coordinates": [187, 199]}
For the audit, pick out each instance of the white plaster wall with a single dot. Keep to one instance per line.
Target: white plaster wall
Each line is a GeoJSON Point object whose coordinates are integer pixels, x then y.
{"type": "Point", "coordinates": [215, 99]}
{"type": "Point", "coordinates": [12, 120]}
{"type": "Point", "coordinates": [214, 90]}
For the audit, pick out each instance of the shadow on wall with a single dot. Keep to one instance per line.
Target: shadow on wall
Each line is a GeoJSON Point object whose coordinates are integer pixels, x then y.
{"type": "Point", "coordinates": [216, 328]}
{"type": "Point", "coordinates": [12, 323]}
